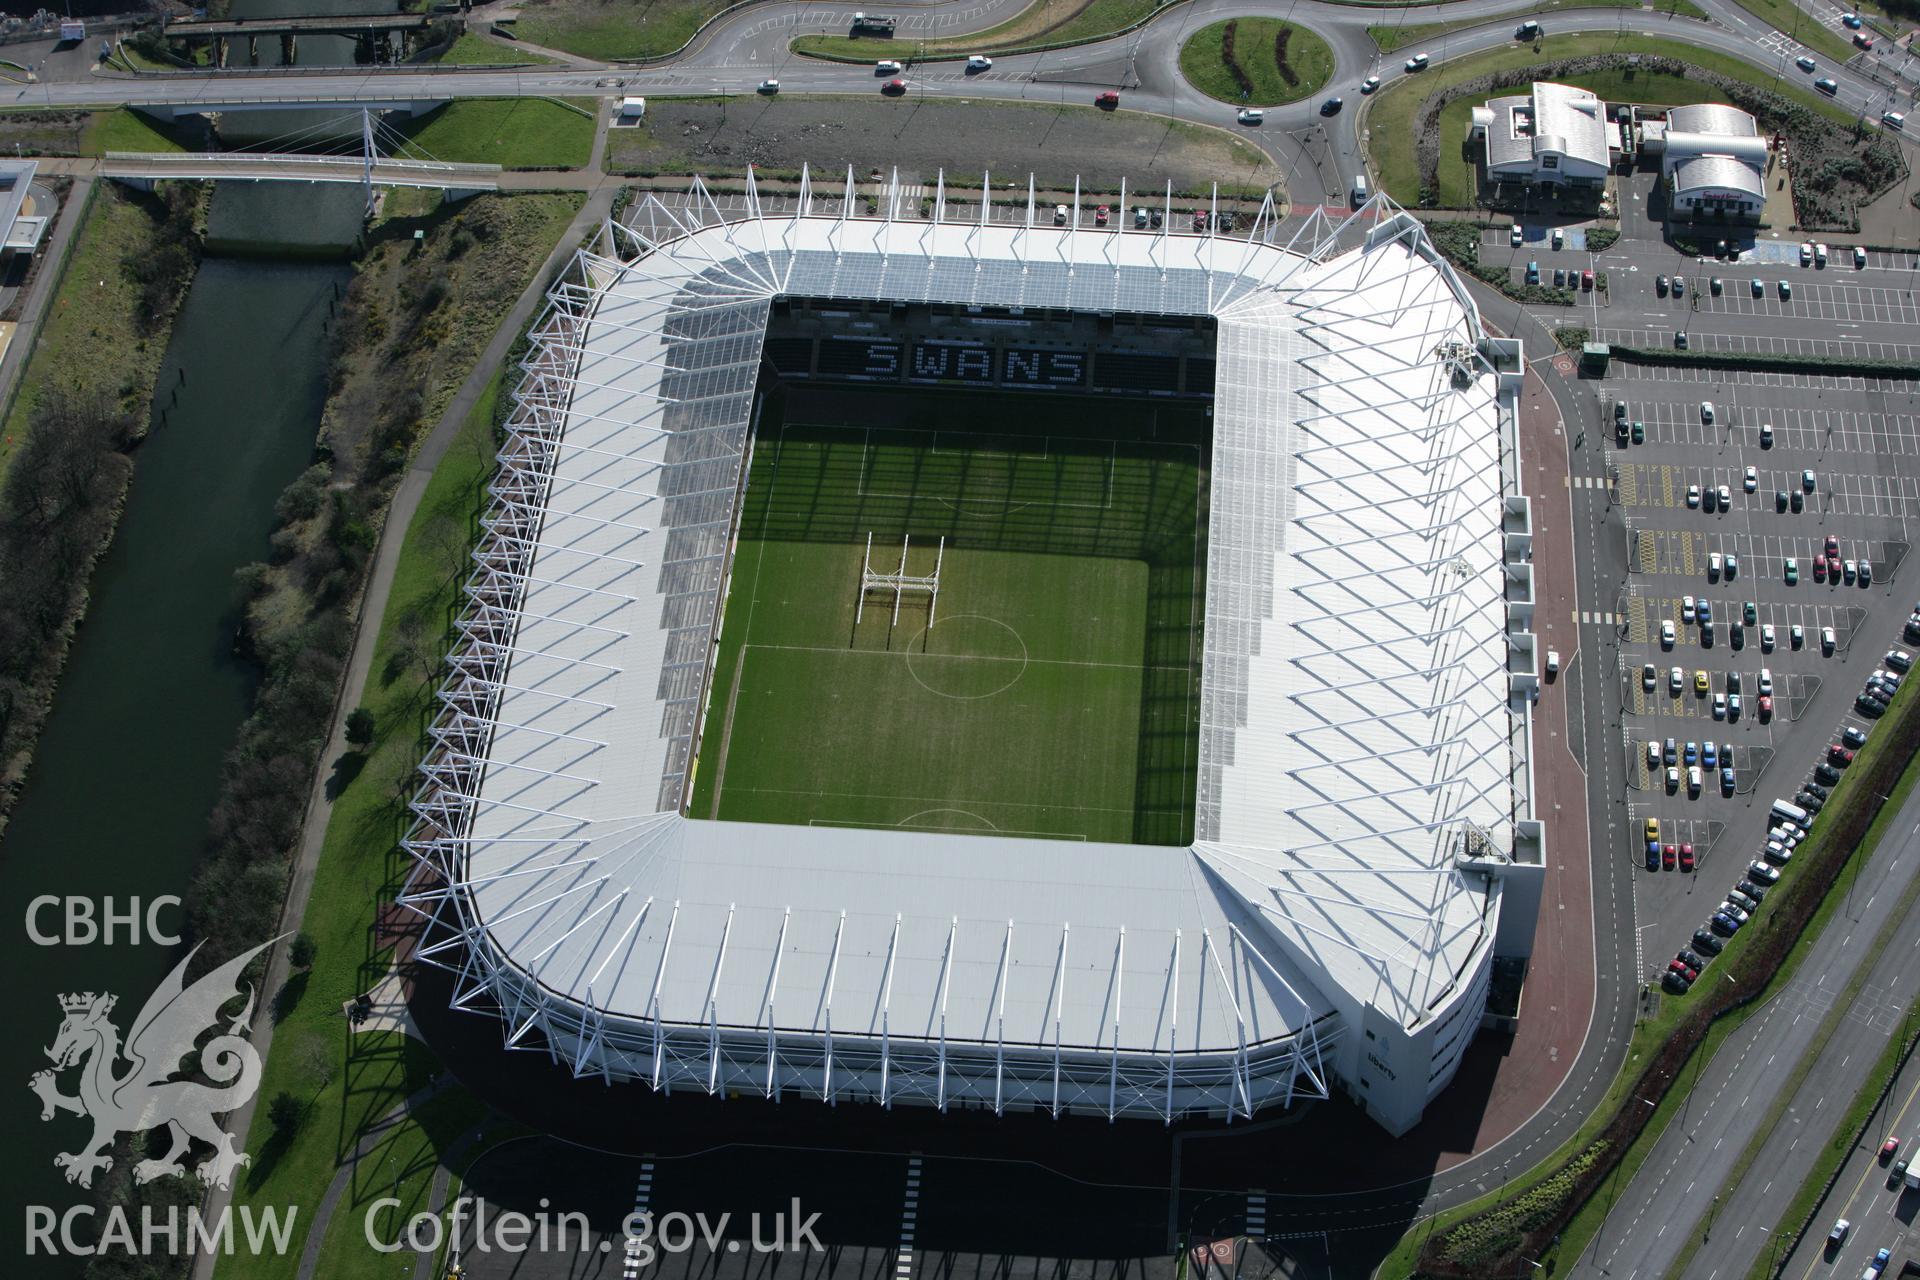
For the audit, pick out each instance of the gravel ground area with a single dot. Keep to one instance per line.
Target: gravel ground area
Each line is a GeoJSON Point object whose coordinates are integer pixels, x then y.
{"type": "Point", "coordinates": [1055, 143]}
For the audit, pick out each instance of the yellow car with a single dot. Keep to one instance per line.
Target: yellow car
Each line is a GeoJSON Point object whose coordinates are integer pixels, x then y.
{"type": "Point", "coordinates": [1653, 828]}
{"type": "Point", "coordinates": [1700, 685]}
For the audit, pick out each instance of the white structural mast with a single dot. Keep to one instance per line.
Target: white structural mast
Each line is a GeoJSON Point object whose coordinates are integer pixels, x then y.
{"type": "Point", "coordinates": [900, 581]}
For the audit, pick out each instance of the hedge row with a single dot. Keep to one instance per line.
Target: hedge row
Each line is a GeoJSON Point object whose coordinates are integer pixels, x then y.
{"type": "Point", "coordinates": [1280, 54]}
{"type": "Point", "coordinates": [1754, 362]}
{"type": "Point", "coordinates": [1467, 1251]}
{"type": "Point", "coordinates": [1233, 63]}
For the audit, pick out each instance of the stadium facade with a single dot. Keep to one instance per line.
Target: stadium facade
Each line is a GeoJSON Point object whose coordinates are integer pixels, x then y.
{"type": "Point", "coordinates": [1364, 841]}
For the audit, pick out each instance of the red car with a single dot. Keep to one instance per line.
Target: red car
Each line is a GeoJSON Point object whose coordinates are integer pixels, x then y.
{"type": "Point", "coordinates": [1889, 1148]}
{"type": "Point", "coordinates": [1819, 569]}
{"type": "Point", "coordinates": [1766, 707]}
{"type": "Point", "coordinates": [895, 87]}
{"type": "Point", "coordinates": [1838, 756]}
{"type": "Point", "coordinates": [1833, 547]}
{"type": "Point", "coordinates": [1679, 966]}
{"type": "Point", "coordinates": [1100, 216]}
{"type": "Point", "coordinates": [1108, 101]}
{"type": "Point", "coordinates": [1686, 857]}
{"type": "Point", "coordinates": [1666, 856]}
{"type": "Point", "coordinates": [1586, 281]}
{"type": "Point", "coordinates": [1833, 568]}
{"type": "Point", "coordinates": [1199, 219]}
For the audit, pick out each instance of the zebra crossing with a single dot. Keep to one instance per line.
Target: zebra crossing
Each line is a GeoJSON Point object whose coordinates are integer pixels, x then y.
{"type": "Point", "coordinates": [1257, 1213]}
{"type": "Point", "coordinates": [909, 1214]}
{"type": "Point", "coordinates": [642, 1198]}
{"type": "Point", "coordinates": [1586, 482]}
{"type": "Point", "coordinates": [1595, 618]}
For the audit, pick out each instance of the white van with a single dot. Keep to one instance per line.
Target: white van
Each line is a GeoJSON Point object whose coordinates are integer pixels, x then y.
{"type": "Point", "coordinates": [1251, 115]}
{"type": "Point", "coordinates": [979, 62]}
{"type": "Point", "coordinates": [1784, 812]}
{"type": "Point", "coordinates": [1359, 189]}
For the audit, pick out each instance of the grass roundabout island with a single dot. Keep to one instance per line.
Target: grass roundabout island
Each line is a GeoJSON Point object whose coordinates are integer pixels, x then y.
{"type": "Point", "coordinates": [1256, 62]}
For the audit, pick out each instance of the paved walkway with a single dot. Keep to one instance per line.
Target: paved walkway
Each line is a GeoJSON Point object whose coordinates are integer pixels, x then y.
{"type": "Point", "coordinates": [406, 501]}
{"type": "Point", "coordinates": [1557, 1002]}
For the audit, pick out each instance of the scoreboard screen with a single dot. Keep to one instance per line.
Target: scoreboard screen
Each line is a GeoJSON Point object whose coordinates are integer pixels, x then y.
{"type": "Point", "coordinates": [864, 359]}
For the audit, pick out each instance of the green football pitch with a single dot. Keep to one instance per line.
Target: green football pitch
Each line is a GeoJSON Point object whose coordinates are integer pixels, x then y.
{"type": "Point", "coordinates": [1056, 691]}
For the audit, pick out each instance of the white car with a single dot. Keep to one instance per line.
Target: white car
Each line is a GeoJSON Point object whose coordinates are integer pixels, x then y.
{"type": "Point", "coordinates": [1766, 646]}
{"type": "Point", "coordinates": [1725, 497]}
{"type": "Point", "coordinates": [1059, 215]}
{"type": "Point", "coordinates": [1251, 115]}
{"type": "Point", "coordinates": [1418, 62]}
{"type": "Point", "coordinates": [1673, 778]}
{"type": "Point", "coordinates": [1715, 562]}
{"type": "Point", "coordinates": [1515, 236]}
{"type": "Point", "coordinates": [1753, 479]}
{"type": "Point", "coordinates": [1859, 256]}
{"type": "Point", "coordinates": [979, 62]}
{"type": "Point", "coordinates": [1719, 706]}
{"type": "Point", "coordinates": [1806, 253]}
{"type": "Point", "coordinates": [1766, 675]}
{"type": "Point", "coordinates": [1686, 608]}
{"type": "Point", "coordinates": [1706, 412]}
{"type": "Point", "coordinates": [1693, 495]}
{"type": "Point", "coordinates": [1676, 681]}
{"type": "Point", "coordinates": [769, 86]}
{"type": "Point", "coordinates": [1369, 84]}
{"type": "Point", "coordinates": [1827, 641]}
{"type": "Point", "coordinates": [1666, 633]}
{"type": "Point", "coordinates": [886, 67]}
{"type": "Point", "coordinates": [1819, 255]}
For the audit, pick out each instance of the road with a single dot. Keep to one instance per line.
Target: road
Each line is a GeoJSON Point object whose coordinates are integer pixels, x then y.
{"type": "Point", "coordinates": [1321, 154]}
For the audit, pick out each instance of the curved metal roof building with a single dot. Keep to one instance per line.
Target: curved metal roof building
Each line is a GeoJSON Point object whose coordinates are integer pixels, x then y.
{"type": "Point", "coordinates": [1364, 841]}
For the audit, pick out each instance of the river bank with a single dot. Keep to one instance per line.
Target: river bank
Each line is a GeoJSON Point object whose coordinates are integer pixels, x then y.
{"type": "Point", "coordinates": [83, 402]}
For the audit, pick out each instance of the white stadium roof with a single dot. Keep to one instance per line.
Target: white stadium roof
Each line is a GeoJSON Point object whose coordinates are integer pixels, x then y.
{"type": "Point", "coordinates": [1357, 741]}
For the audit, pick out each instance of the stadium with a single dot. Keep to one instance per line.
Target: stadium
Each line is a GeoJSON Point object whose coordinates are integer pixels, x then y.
{"type": "Point", "coordinates": [983, 663]}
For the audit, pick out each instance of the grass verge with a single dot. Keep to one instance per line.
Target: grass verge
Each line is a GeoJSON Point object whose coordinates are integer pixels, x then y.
{"type": "Point", "coordinates": [514, 133]}
{"type": "Point", "coordinates": [1651, 1033]}
{"type": "Point", "coordinates": [1043, 23]}
{"type": "Point", "coordinates": [128, 130]}
{"type": "Point", "coordinates": [608, 31]}
{"type": "Point", "coordinates": [345, 1081]}
{"type": "Point", "coordinates": [1206, 66]}
{"type": "Point", "coordinates": [1391, 113]}
{"type": "Point", "coordinates": [471, 50]}
{"type": "Point", "coordinates": [401, 1167]}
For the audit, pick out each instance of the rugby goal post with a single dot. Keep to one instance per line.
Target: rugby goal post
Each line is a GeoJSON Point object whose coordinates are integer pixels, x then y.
{"type": "Point", "coordinates": [900, 581]}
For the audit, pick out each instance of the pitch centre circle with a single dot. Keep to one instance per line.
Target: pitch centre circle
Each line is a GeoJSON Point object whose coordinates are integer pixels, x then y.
{"type": "Point", "coordinates": [969, 655]}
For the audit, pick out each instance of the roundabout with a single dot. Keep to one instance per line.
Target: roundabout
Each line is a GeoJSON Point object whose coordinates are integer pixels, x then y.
{"type": "Point", "coordinates": [1256, 62]}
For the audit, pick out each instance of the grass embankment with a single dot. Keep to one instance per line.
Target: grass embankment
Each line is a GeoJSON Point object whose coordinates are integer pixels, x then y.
{"type": "Point", "coordinates": [1390, 116]}
{"type": "Point", "coordinates": [128, 130]}
{"type": "Point", "coordinates": [83, 396]}
{"type": "Point", "coordinates": [1240, 62]}
{"type": "Point", "coordinates": [1389, 37]}
{"type": "Point", "coordinates": [471, 50]}
{"type": "Point", "coordinates": [514, 133]}
{"type": "Point", "coordinates": [412, 327]}
{"type": "Point", "coordinates": [1043, 23]}
{"type": "Point", "coordinates": [595, 29]}
{"type": "Point", "coordinates": [1651, 1035]}
{"type": "Point", "coordinates": [82, 132]}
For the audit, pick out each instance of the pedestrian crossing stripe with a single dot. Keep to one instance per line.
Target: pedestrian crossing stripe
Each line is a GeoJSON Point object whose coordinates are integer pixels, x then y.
{"type": "Point", "coordinates": [1586, 482]}
{"type": "Point", "coordinates": [1589, 617]}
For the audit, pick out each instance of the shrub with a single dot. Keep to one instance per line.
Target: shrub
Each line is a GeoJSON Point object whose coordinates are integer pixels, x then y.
{"type": "Point", "coordinates": [302, 951]}
{"type": "Point", "coordinates": [360, 727]}
{"type": "Point", "coordinates": [1233, 63]}
{"type": "Point", "coordinates": [284, 1112]}
{"type": "Point", "coordinates": [1280, 40]}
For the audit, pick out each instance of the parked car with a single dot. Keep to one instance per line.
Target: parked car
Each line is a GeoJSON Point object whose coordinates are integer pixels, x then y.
{"type": "Point", "coordinates": [1707, 942]}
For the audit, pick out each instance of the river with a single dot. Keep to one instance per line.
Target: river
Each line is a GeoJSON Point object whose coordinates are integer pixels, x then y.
{"type": "Point", "coordinates": [128, 766]}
